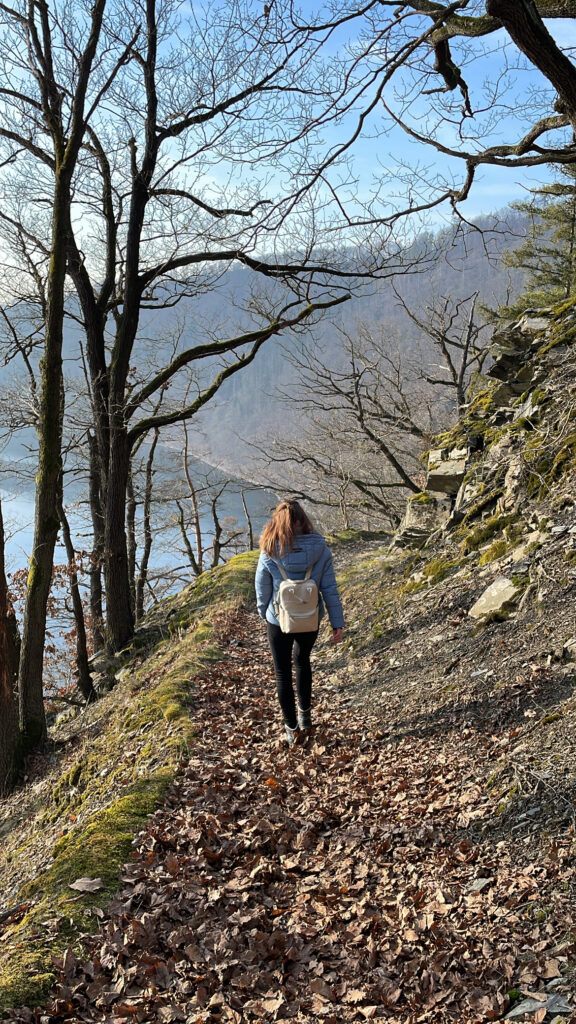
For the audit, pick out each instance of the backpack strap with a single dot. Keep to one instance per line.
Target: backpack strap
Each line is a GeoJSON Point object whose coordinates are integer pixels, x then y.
{"type": "Point", "coordinates": [279, 565]}
{"type": "Point", "coordinates": [284, 574]}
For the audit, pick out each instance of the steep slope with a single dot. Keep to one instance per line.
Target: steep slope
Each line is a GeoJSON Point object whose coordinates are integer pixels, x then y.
{"type": "Point", "coordinates": [478, 624]}
{"type": "Point", "coordinates": [413, 862]}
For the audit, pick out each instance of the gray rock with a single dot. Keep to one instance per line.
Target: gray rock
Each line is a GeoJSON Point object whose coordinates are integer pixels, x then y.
{"type": "Point", "coordinates": [500, 596]}
{"type": "Point", "coordinates": [446, 470]}
{"type": "Point", "coordinates": [553, 1003]}
{"type": "Point", "coordinates": [534, 324]}
{"type": "Point", "coordinates": [422, 517]}
{"type": "Point", "coordinates": [479, 884]}
{"type": "Point", "coordinates": [513, 482]}
{"type": "Point", "coordinates": [557, 355]}
{"type": "Point", "coordinates": [503, 395]}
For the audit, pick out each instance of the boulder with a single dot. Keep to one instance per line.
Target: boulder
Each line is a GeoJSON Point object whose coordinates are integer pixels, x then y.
{"type": "Point", "coordinates": [424, 514]}
{"type": "Point", "coordinates": [446, 470]}
{"type": "Point", "coordinates": [500, 596]}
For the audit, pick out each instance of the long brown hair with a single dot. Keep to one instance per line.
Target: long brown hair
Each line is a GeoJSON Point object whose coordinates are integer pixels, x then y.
{"type": "Point", "coordinates": [288, 518]}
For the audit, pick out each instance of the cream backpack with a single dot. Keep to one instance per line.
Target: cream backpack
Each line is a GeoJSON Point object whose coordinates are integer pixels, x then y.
{"type": "Point", "coordinates": [296, 606]}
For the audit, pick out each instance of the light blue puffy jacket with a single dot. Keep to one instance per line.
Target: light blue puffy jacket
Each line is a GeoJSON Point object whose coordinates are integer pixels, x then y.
{"type": "Point", "coordinates": [310, 549]}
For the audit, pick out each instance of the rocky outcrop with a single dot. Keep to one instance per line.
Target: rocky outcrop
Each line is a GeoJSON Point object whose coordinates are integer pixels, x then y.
{"type": "Point", "coordinates": [446, 470]}
{"type": "Point", "coordinates": [425, 514]}
{"type": "Point", "coordinates": [513, 441]}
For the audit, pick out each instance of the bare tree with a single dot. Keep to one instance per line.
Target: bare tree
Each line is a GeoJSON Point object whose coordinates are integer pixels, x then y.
{"type": "Point", "coordinates": [139, 183]}
{"type": "Point", "coordinates": [84, 679]}
{"type": "Point", "coordinates": [359, 417]}
{"type": "Point", "coordinates": [459, 339]}
{"type": "Point", "coordinates": [419, 67]}
{"type": "Point", "coordinates": [47, 125]}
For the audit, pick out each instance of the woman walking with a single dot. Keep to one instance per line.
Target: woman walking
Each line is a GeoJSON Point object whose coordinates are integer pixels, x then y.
{"type": "Point", "coordinates": [290, 547]}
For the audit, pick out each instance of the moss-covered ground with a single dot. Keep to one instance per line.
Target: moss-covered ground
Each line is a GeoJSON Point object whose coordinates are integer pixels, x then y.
{"type": "Point", "coordinates": [106, 771]}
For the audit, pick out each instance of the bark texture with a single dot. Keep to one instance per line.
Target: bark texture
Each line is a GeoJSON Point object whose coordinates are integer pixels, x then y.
{"type": "Point", "coordinates": [9, 656]}
{"type": "Point", "coordinates": [522, 21]}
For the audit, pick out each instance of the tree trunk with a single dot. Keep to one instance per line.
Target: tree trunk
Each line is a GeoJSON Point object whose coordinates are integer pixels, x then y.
{"type": "Point", "coordinates": [131, 536]}
{"type": "Point", "coordinates": [248, 522]}
{"type": "Point", "coordinates": [217, 542]}
{"type": "Point", "coordinates": [82, 667]}
{"type": "Point", "coordinates": [147, 525]}
{"type": "Point", "coordinates": [119, 613]}
{"type": "Point", "coordinates": [523, 22]}
{"type": "Point", "coordinates": [9, 657]}
{"type": "Point", "coordinates": [96, 511]}
{"type": "Point", "coordinates": [48, 484]}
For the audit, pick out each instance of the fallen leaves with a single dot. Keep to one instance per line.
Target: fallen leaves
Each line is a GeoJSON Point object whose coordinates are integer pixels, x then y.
{"type": "Point", "coordinates": [332, 882]}
{"type": "Point", "coordinates": [87, 884]}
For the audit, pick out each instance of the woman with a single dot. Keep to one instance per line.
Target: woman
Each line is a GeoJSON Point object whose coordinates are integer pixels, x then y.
{"type": "Point", "coordinates": [289, 541]}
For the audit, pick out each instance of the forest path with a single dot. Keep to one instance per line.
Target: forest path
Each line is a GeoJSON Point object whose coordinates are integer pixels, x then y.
{"type": "Point", "coordinates": [342, 880]}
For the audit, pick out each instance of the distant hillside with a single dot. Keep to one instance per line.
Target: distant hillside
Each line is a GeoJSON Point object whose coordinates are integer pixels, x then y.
{"type": "Point", "coordinates": [246, 407]}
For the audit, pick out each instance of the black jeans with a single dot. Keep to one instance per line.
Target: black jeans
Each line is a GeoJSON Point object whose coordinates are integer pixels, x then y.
{"type": "Point", "coordinates": [284, 647]}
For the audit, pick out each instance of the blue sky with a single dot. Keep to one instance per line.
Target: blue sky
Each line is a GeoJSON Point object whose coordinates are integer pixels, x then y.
{"type": "Point", "coordinates": [494, 187]}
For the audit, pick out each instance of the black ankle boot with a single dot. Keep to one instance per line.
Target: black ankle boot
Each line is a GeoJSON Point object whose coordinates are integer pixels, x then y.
{"type": "Point", "coordinates": [304, 719]}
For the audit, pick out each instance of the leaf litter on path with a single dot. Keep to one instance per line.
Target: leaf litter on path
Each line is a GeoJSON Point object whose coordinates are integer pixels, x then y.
{"type": "Point", "coordinates": [335, 881]}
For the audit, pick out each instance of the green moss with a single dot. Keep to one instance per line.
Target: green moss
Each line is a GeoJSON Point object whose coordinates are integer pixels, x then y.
{"type": "Point", "coordinates": [96, 850]}
{"type": "Point", "coordinates": [560, 334]}
{"type": "Point", "coordinates": [539, 396]}
{"type": "Point", "coordinates": [487, 620]}
{"type": "Point", "coordinates": [486, 499]}
{"type": "Point", "coordinates": [474, 422]}
{"type": "Point", "coordinates": [496, 550]}
{"type": "Point", "coordinates": [549, 464]}
{"type": "Point", "coordinates": [423, 498]}
{"type": "Point", "coordinates": [356, 536]}
{"type": "Point", "coordinates": [521, 581]}
{"type": "Point", "coordinates": [148, 730]}
{"type": "Point", "coordinates": [485, 531]}
{"type": "Point", "coordinates": [432, 572]}
{"type": "Point", "coordinates": [552, 717]}
{"type": "Point", "coordinates": [34, 575]}
{"type": "Point", "coordinates": [438, 568]}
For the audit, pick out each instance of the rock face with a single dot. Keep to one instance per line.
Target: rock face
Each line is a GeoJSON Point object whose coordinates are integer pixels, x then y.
{"type": "Point", "coordinates": [499, 597]}
{"type": "Point", "coordinates": [513, 442]}
{"type": "Point", "coordinates": [510, 347]}
{"type": "Point", "coordinates": [483, 473]}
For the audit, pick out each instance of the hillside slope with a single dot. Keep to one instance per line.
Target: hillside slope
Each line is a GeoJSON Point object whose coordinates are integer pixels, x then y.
{"type": "Point", "coordinates": [414, 861]}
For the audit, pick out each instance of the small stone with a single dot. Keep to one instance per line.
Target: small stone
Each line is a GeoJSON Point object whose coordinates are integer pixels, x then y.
{"type": "Point", "coordinates": [553, 1003]}
{"type": "Point", "coordinates": [479, 884]}
{"type": "Point", "coordinates": [569, 650]}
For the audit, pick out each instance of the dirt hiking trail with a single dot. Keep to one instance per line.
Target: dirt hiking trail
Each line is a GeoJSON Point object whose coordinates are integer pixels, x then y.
{"type": "Point", "coordinates": [346, 879]}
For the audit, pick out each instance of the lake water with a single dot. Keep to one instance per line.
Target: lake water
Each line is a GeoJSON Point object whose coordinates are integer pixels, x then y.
{"type": "Point", "coordinates": [167, 551]}
{"type": "Point", "coordinates": [18, 512]}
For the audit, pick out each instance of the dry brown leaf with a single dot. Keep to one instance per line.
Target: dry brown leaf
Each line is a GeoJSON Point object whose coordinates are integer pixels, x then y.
{"type": "Point", "coordinates": [87, 884]}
